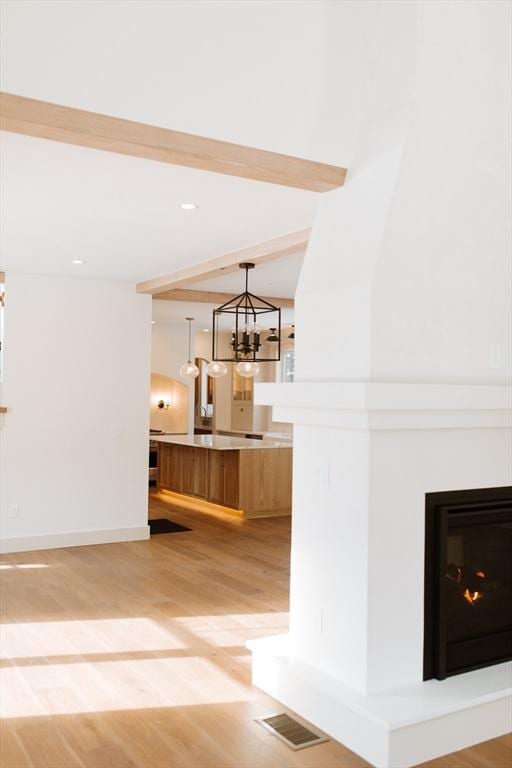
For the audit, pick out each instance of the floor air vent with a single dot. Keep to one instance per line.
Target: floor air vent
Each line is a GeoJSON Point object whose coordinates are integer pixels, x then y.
{"type": "Point", "coordinates": [294, 734]}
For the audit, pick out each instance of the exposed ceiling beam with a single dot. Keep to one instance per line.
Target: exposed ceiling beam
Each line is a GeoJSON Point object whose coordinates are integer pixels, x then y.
{"type": "Point", "coordinates": [215, 297]}
{"type": "Point", "coordinates": [88, 129]}
{"type": "Point", "coordinates": [287, 245]}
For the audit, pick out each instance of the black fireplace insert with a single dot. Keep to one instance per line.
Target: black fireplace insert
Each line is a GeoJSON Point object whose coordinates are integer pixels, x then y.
{"type": "Point", "coordinates": [468, 580]}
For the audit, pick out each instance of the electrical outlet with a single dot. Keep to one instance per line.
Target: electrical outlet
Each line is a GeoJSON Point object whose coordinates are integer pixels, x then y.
{"type": "Point", "coordinates": [13, 510]}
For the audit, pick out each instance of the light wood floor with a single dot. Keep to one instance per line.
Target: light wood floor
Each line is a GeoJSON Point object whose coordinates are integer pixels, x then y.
{"type": "Point", "coordinates": [133, 654]}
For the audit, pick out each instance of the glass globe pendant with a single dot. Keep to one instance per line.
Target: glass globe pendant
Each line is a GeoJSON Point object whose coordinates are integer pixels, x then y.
{"type": "Point", "coordinates": [216, 369]}
{"type": "Point", "coordinates": [188, 368]}
{"type": "Point", "coordinates": [247, 369]}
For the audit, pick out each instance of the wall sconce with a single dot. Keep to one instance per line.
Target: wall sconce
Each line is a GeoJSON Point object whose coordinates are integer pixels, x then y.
{"type": "Point", "coordinates": [163, 404]}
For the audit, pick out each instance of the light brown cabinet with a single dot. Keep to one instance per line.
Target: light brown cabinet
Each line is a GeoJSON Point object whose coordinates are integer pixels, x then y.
{"type": "Point", "coordinates": [242, 390]}
{"type": "Point", "coordinates": [241, 417]}
{"type": "Point", "coordinates": [223, 476]}
{"type": "Point", "coordinates": [257, 481]}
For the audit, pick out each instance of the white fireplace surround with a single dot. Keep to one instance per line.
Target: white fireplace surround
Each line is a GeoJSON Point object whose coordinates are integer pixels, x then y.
{"type": "Point", "coordinates": [365, 454]}
{"type": "Point", "coordinates": [405, 282]}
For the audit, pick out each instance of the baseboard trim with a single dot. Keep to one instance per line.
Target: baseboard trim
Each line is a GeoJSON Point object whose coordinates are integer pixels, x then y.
{"type": "Point", "coordinates": [73, 539]}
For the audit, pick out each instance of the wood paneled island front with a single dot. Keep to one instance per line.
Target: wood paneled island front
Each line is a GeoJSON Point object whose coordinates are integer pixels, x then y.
{"type": "Point", "coordinates": [252, 476]}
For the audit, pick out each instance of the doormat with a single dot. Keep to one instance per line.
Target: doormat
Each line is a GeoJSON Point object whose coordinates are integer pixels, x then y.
{"type": "Point", "coordinates": [162, 525]}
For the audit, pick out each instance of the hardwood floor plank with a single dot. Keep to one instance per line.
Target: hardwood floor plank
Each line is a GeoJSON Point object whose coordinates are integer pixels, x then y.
{"type": "Point", "coordinates": [111, 756]}
{"type": "Point", "coordinates": [12, 753]}
{"type": "Point", "coordinates": [46, 745]}
{"type": "Point", "coordinates": [133, 655]}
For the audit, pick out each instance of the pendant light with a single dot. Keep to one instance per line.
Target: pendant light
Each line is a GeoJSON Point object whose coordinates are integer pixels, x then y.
{"type": "Point", "coordinates": [292, 334]}
{"type": "Point", "coordinates": [273, 336]}
{"type": "Point", "coordinates": [189, 368]}
{"type": "Point", "coordinates": [247, 369]}
{"type": "Point", "coordinates": [236, 330]}
{"type": "Point", "coordinates": [216, 369]}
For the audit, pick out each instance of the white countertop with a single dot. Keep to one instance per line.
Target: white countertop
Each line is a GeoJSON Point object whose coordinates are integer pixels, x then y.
{"type": "Point", "coordinates": [220, 442]}
{"type": "Point", "coordinates": [162, 432]}
{"type": "Point", "coordinates": [285, 437]}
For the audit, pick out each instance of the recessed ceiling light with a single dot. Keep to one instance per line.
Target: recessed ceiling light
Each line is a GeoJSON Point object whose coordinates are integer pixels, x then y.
{"type": "Point", "coordinates": [206, 330]}
{"type": "Point", "coordinates": [78, 261]}
{"type": "Point", "coordinates": [153, 322]}
{"type": "Point", "coordinates": [188, 206]}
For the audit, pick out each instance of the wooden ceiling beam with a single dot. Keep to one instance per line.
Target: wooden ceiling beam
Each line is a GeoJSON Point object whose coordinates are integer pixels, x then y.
{"type": "Point", "coordinates": [278, 248]}
{"type": "Point", "coordinates": [43, 119]}
{"type": "Point", "coordinates": [215, 297]}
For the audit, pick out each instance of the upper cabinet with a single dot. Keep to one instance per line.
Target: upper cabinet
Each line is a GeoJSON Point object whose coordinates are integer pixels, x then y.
{"type": "Point", "coordinates": [242, 388]}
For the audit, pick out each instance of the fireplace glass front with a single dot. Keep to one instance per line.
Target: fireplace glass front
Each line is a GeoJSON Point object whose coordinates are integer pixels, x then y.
{"type": "Point", "coordinates": [468, 580]}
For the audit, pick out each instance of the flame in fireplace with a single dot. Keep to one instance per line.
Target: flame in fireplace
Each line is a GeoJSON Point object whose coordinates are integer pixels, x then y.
{"type": "Point", "coordinates": [468, 582]}
{"type": "Point", "coordinates": [454, 573]}
{"type": "Point", "coordinates": [472, 597]}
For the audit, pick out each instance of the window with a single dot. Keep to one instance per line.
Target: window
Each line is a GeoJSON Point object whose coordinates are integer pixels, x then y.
{"type": "Point", "coordinates": [288, 367]}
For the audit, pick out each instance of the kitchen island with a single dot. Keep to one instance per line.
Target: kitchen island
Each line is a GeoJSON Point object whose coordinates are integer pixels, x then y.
{"type": "Point", "coordinates": [251, 476]}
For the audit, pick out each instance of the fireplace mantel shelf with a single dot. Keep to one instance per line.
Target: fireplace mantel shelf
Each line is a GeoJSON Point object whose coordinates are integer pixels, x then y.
{"type": "Point", "coordinates": [388, 405]}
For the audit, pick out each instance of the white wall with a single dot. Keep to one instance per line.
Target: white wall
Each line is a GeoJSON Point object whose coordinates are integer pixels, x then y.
{"type": "Point", "coordinates": [169, 350]}
{"type": "Point", "coordinates": [74, 442]}
{"type": "Point", "coordinates": [409, 270]}
{"type": "Point", "coordinates": [203, 344]}
{"type": "Point", "coordinates": [175, 417]}
{"type": "Point", "coordinates": [444, 275]}
{"type": "Point", "coordinates": [408, 264]}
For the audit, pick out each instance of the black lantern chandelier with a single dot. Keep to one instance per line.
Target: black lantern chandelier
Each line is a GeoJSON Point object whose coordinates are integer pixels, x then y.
{"type": "Point", "coordinates": [237, 332]}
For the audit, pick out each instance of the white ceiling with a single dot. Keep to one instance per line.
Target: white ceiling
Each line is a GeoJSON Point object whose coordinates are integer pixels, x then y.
{"type": "Point", "coordinates": [273, 278]}
{"type": "Point", "coordinates": [257, 73]}
{"type": "Point", "coordinates": [121, 214]}
{"type": "Point", "coordinates": [252, 72]}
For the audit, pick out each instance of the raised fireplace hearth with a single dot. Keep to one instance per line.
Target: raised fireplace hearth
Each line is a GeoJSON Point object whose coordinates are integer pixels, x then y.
{"type": "Point", "coordinates": [468, 581]}
{"type": "Point", "coordinates": [352, 663]}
